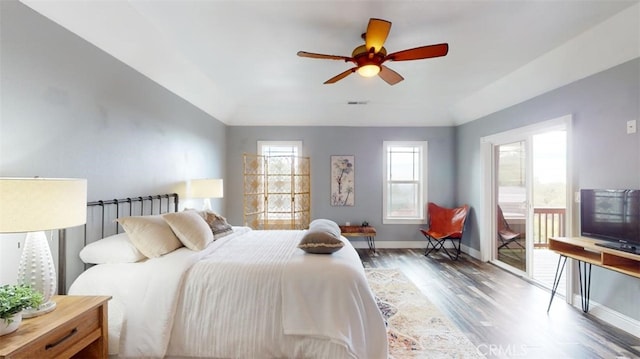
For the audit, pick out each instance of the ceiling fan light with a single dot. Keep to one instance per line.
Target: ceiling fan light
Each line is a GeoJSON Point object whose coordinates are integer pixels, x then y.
{"type": "Point", "coordinates": [368, 70]}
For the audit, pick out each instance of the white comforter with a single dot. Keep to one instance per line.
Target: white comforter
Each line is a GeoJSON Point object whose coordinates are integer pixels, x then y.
{"type": "Point", "coordinates": [252, 295]}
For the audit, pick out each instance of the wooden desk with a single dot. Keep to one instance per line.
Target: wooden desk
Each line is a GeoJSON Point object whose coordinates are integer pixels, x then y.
{"type": "Point", "coordinates": [360, 231]}
{"type": "Point", "coordinates": [588, 253]}
{"type": "Point", "coordinates": [77, 328]}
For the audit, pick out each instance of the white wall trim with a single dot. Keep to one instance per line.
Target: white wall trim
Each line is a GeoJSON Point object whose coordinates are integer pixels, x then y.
{"type": "Point", "coordinates": [412, 245]}
{"type": "Point", "coordinates": [610, 316]}
{"type": "Point", "coordinates": [391, 244]}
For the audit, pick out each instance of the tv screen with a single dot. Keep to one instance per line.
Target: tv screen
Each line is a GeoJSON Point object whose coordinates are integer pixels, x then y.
{"type": "Point", "coordinates": [612, 215]}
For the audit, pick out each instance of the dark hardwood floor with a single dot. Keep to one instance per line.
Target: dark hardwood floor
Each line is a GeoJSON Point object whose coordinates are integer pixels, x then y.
{"type": "Point", "coordinates": [502, 314]}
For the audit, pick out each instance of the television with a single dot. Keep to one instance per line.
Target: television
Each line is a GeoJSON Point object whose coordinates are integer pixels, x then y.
{"type": "Point", "coordinates": [612, 215]}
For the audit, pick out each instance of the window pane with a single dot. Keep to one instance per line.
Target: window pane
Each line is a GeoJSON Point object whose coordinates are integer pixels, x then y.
{"type": "Point", "coordinates": [403, 200]}
{"type": "Point", "coordinates": [279, 165]}
{"type": "Point", "coordinates": [406, 149]}
{"type": "Point", "coordinates": [511, 158]}
{"type": "Point", "coordinates": [274, 150]}
{"type": "Point", "coordinates": [403, 166]}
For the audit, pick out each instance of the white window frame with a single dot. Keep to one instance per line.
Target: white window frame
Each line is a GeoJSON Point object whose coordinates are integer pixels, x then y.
{"type": "Point", "coordinates": [262, 145]}
{"type": "Point", "coordinates": [297, 144]}
{"type": "Point", "coordinates": [422, 182]}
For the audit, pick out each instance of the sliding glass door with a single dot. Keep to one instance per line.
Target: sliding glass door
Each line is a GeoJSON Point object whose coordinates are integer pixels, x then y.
{"type": "Point", "coordinates": [549, 155]}
{"type": "Point", "coordinates": [527, 192]}
{"type": "Point", "coordinates": [512, 198]}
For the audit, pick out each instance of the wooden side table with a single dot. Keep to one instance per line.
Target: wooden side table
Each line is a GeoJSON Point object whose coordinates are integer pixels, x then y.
{"type": "Point", "coordinates": [77, 328]}
{"type": "Point", "coordinates": [361, 231]}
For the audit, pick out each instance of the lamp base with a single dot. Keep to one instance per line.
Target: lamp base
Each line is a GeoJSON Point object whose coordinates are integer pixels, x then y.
{"type": "Point", "coordinates": [206, 204]}
{"type": "Point", "coordinates": [42, 309]}
{"type": "Point", "coordinates": [36, 269]}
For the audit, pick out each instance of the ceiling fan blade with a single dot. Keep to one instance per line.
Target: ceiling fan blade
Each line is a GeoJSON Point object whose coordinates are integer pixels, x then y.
{"type": "Point", "coordinates": [377, 32]}
{"type": "Point", "coordinates": [423, 52]}
{"type": "Point", "coordinates": [323, 56]}
{"type": "Point", "coordinates": [340, 76]}
{"type": "Point", "coordinates": [389, 76]}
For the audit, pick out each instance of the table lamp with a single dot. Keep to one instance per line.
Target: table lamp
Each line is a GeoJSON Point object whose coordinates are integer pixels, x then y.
{"type": "Point", "coordinates": [206, 188]}
{"type": "Point", "coordinates": [34, 205]}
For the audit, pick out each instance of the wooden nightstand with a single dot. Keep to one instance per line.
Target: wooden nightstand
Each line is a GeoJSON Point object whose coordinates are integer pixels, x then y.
{"type": "Point", "coordinates": [361, 231]}
{"type": "Point", "coordinates": [76, 328]}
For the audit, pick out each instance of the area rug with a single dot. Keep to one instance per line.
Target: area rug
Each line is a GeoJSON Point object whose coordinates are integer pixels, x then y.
{"type": "Point", "coordinates": [415, 327]}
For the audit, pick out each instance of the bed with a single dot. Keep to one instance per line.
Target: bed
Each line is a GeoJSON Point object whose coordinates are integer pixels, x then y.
{"type": "Point", "coordinates": [246, 294]}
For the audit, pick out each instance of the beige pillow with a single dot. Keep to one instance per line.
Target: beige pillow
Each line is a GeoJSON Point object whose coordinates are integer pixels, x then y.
{"type": "Point", "coordinates": [190, 228]}
{"type": "Point", "coordinates": [151, 235]}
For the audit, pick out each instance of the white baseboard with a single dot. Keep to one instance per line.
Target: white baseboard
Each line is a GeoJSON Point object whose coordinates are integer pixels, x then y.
{"type": "Point", "coordinates": [412, 245]}
{"type": "Point", "coordinates": [471, 252]}
{"type": "Point", "coordinates": [610, 316]}
{"type": "Point", "coordinates": [391, 244]}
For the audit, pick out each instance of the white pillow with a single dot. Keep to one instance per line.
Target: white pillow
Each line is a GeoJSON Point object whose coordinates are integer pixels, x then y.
{"type": "Point", "coordinates": [190, 228]}
{"type": "Point", "coordinates": [113, 249]}
{"type": "Point", "coordinates": [325, 225]}
{"type": "Point", "coordinates": [150, 234]}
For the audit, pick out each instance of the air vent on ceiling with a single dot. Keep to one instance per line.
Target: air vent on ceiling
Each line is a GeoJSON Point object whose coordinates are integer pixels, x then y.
{"type": "Point", "coordinates": [357, 102]}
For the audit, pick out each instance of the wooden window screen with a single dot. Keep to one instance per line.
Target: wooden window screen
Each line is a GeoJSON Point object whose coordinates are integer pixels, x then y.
{"type": "Point", "coordinates": [277, 192]}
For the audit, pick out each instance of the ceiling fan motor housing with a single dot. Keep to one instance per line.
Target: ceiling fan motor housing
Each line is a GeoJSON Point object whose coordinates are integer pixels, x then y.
{"type": "Point", "coordinates": [363, 57]}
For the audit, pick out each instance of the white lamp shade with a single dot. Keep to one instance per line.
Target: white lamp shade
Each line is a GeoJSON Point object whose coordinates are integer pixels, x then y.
{"type": "Point", "coordinates": [207, 188]}
{"type": "Point", "coordinates": [38, 204]}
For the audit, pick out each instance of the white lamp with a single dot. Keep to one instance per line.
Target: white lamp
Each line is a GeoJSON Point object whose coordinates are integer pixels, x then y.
{"type": "Point", "coordinates": [34, 205]}
{"type": "Point", "coordinates": [207, 188]}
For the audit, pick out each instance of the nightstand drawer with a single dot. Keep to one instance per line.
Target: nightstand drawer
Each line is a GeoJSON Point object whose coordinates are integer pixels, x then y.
{"type": "Point", "coordinates": [67, 339]}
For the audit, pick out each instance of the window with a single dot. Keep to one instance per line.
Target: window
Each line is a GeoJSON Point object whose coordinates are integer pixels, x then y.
{"type": "Point", "coordinates": [279, 156]}
{"type": "Point", "coordinates": [404, 191]}
{"type": "Point", "coordinates": [280, 148]}
{"type": "Point", "coordinates": [276, 186]}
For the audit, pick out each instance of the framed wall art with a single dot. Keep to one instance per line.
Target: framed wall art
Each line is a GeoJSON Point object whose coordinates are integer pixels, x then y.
{"type": "Point", "coordinates": [342, 181]}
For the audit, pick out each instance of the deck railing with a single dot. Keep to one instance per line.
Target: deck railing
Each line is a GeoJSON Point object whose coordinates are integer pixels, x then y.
{"type": "Point", "coordinates": [547, 222]}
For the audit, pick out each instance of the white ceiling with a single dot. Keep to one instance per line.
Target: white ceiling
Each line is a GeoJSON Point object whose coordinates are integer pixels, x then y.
{"type": "Point", "coordinates": [236, 60]}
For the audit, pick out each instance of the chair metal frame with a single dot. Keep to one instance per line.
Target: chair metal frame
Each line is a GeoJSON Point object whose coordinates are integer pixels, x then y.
{"type": "Point", "coordinates": [436, 239]}
{"type": "Point", "coordinates": [505, 233]}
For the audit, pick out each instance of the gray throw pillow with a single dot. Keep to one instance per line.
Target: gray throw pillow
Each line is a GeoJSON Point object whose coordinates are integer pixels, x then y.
{"type": "Point", "coordinates": [323, 237]}
{"type": "Point", "coordinates": [218, 224]}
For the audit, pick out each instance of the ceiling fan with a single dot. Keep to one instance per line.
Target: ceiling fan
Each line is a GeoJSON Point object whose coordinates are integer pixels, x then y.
{"type": "Point", "coordinates": [369, 58]}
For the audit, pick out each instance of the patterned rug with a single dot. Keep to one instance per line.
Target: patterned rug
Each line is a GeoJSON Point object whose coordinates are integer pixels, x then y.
{"type": "Point", "coordinates": [415, 327]}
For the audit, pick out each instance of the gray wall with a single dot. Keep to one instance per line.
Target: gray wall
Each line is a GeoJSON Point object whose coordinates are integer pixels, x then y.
{"type": "Point", "coordinates": [604, 156]}
{"type": "Point", "coordinates": [319, 143]}
{"type": "Point", "coordinates": [70, 110]}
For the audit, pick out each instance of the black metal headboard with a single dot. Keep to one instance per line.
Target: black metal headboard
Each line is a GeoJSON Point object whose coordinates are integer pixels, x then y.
{"type": "Point", "coordinates": [101, 222]}
{"type": "Point", "coordinates": [134, 208]}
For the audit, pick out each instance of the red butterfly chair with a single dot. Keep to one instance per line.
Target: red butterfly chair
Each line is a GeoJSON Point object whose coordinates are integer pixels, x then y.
{"type": "Point", "coordinates": [444, 223]}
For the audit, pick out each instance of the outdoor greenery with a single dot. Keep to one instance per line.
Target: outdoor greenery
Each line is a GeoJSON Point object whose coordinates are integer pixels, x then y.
{"type": "Point", "coordinates": [549, 195]}
{"type": "Point", "coordinates": [15, 298]}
